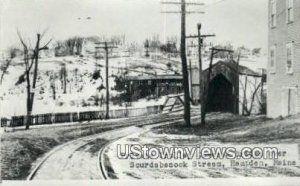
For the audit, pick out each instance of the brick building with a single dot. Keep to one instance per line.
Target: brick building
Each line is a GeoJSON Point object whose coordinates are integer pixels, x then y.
{"type": "Point", "coordinates": [283, 97]}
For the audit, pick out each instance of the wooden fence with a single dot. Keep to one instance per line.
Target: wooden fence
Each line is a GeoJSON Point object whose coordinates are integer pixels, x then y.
{"type": "Point", "coordinates": [56, 118]}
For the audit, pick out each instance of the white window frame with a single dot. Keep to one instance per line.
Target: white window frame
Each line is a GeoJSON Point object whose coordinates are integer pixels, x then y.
{"type": "Point", "coordinates": [273, 13]}
{"type": "Point", "coordinates": [289, 11]}
{"type": "Point", "coordinates": [291, 47]}
{"type": "Point", "coordinates": [272, 68]}
{"type": "Point", "coordinates": [286, 88]}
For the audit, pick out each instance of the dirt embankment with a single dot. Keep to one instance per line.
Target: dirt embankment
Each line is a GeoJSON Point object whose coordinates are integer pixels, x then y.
{"type": "Point", "coordinates": [20, 149]}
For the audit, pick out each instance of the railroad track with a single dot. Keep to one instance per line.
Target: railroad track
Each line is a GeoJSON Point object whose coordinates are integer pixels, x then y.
{"type": "Point", "coordinates": [101, 164]}
{"type": "Point", "coordinates": [64, 156]}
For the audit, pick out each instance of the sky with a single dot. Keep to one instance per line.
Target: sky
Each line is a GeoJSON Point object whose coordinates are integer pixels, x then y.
{"type": "Point", "coordinates": [241, 22]}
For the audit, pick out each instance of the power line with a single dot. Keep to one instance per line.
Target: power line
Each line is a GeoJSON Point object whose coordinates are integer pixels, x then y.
{"type": "Point", "coordinates": [185, 72]}
{"type": "Point", "coordinates": [186, 12]}
{"type": "Point", "coordinates": [218, 2]}
{"type": "Point", "coordinates": [106, 46]}
{"type": "Point", "coordinates": [180, 3]}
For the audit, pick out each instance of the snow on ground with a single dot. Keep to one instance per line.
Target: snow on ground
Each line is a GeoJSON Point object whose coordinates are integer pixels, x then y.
{"type": "Point", "coordinates": [81, 91]}
{"type": "Point", "coordinates": [122, 167]}
{"type": "Point", "coordinates": [255, 63]}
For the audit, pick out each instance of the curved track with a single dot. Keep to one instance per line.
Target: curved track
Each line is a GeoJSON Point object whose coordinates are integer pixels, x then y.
{"type": "Point", "coordinates": [79, 159]}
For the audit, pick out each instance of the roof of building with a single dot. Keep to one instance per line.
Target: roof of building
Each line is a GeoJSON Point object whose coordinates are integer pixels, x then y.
{"type": "Point", "coordinates": [243, 70]}
{"type": "Point", "coordinates": [158, 77]}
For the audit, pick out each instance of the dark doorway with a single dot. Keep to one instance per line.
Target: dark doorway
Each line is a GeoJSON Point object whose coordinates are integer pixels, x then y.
{"type": "Point", "coordinates": [220, 95]}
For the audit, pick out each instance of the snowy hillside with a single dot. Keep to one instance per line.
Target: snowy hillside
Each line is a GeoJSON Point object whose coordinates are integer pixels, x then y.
{"type": "Point", "coordinates": [84, 86]}
{"type": "Point", "coordinates": [82, 92]}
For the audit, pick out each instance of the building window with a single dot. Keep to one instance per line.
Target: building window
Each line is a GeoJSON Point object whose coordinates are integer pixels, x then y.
{"type": "Point", "coordinates": [272, 59]}
{"type": "Point", "coordinates": [273, 13]}
{"type": "Point", "coordinates": [290, 11]}
{"type": "Point", "coordinates": [289, 58]}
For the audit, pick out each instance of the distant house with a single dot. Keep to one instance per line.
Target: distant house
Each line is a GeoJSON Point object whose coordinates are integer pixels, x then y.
{"type": "Point", "coordinates": [283, 96]}
{"type": "Point", "coordinates": [159, 85]}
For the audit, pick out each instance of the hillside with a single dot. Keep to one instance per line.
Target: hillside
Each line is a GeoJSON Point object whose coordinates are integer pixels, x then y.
{"type": "Point", "coordinates": [85, 80]}
{"type": "Point", "coordinates": [85, 83]}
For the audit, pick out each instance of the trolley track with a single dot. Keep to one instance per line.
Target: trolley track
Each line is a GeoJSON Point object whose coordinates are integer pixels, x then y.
{"type": "Point", "coordinates": [70, 160]}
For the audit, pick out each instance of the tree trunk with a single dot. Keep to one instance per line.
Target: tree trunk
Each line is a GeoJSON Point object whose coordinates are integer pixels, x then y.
{"type": "Point", "coordinates": [65, 82]}
{"type": "Point", "coordinates": [245, 103]}
{"type": "Point", "coordinates": [28, 102]}
{"type": "Point", "coordinates": [53, 91]}
{"type": "Point", "coordinates": [36, 62]}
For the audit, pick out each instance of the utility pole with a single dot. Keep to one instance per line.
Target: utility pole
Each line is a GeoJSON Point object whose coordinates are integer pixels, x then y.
{"type": "Point", "coordinates": [214, 51]}
{"type": "Point", "coordinates": [187, 108]}
{"type": "Point", "coordinates": [106, 48]}
{"type": "Point", "coordinates": [183, 12]}
{"type": "Point", "coordinates": [191, 77]}
{"type": "Point", "coordinates": [200, 43]}
{"type": "Point", "coordinates": [237, 84]}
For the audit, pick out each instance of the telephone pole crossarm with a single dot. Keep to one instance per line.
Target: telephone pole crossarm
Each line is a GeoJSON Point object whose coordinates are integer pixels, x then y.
{"type": "Point", "coordinates": [180, 3]}
{"type": "Point", "coordinates": [186, 12]}
{"type": "Point", "coordinates": [106, 47]}
{"type": "Point", "coordinates": [202, 36]}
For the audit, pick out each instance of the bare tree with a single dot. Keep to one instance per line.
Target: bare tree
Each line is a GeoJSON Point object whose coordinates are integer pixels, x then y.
{"type": "Point", "coordinates": [12, 53]}
{"type": "Point", "coordinates": [79, 45]}
{"type": "Point", "coordinates": [132, 48]}
{"type": "Point", "coordinates": [63, 78]}
{"type": "Point", "coordinates": [31, 59]}
{"type": "Point", "coordinates": [60, 49]}
{"type": "Point", "coordinates": [147, 45]}
{"type": "Point", "coordinates": [52, 85]}
{"type": "Point", "coordinates": [4, 67]}
{"type": "Point", "coordinates": [246, 101]}
{"type": "Point", "coordinates": [70, 44]}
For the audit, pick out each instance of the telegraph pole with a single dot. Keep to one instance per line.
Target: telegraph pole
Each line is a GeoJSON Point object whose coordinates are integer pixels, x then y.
{"type": "Point", "coordinates": [187, 109]}
{"type": "Point", "coordinates": [191, 78]}
{"type": "Point", "coordinates": [183, 12]}
{"type": "Point", "coordinates": [200, 43]}
{"type": "Point", "coordinates": [106, 48]}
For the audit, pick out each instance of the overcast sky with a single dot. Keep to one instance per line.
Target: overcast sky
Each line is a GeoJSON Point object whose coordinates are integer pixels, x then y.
{"type": "Point", "coordinates": [242, 22]}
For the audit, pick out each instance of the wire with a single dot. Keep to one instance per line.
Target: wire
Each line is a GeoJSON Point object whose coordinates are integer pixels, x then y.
{"type": "Point", "coordinates": [209, 5]}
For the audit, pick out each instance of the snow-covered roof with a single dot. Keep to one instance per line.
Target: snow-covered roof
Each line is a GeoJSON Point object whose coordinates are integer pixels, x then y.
{"type": "Point", "coordinates": [243, 70]}
{"type": "Point", "coordinates": [158, 77]}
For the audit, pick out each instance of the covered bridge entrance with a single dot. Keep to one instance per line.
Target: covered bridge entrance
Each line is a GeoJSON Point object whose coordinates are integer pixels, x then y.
{"type": "Point", "coordinates": [220, 95]}
{"type": "Point", "coordinates": [223, 91]}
